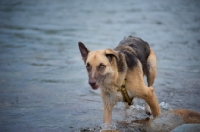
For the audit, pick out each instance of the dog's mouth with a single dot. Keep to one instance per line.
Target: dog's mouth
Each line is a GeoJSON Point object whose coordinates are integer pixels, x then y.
{"type": "Point", "coordinates": [95, 87]}
{"type": "Point", "coordinates": [96, 84]}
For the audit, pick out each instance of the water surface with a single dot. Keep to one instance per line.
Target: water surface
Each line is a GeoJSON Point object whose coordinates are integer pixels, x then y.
{"type": "Point", "coordinates": [43, 82]}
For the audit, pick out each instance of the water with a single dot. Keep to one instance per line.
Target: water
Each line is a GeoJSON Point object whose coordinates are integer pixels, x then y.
{"type": "Point", "coordinates": [43, 82]}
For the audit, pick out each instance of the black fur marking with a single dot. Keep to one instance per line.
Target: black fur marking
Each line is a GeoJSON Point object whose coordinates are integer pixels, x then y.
{"type": "Point", "coordinates": [121, 66]}
{"type": "Point", "coordinates": [109, 56]}
{"type": "Point", "coordinates": [141, 48]}
{"type": "Point", "coordinates": [131, 59]}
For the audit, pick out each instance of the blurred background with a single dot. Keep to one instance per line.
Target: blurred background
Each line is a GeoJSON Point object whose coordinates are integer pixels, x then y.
{"type": "Point", "coordinates": [43, 81]}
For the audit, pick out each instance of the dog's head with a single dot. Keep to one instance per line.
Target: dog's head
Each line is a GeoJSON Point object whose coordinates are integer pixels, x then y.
{"type": "Point", "coordinates": [98, 64]}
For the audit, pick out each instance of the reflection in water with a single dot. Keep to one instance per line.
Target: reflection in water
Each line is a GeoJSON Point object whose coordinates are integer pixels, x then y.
{"type": "Point", "coordinates": [43, 82]}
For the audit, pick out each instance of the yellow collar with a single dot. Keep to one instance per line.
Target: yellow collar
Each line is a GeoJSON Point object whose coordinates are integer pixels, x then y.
{"type": "Point", "coordinates": [124, 93]}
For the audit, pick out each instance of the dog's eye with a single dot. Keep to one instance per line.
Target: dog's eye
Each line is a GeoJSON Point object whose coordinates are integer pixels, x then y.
{"type": "Point", "coordinates": [88, 67]}
{"type": "Point", "coordinates": [101, 67]}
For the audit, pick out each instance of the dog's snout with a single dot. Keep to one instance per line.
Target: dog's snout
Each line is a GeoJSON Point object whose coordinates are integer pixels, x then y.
{"type": "Point", "coordinates": [92, 82]}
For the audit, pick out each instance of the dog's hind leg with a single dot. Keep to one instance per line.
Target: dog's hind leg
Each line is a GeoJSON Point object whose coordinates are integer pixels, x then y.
{"type": "Point", "coordinates": [151, 74]}
{"type": "Point", "coordinates": [152, 101]}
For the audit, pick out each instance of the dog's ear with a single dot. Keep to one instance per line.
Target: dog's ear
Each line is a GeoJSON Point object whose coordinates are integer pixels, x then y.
{"type": "Point", "coordinates": [84, 51]}
{"type": "Point", "coordinates": [111, 53]}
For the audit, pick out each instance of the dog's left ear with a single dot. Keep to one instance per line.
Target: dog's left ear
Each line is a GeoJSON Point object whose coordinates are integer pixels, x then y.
{"type": "Point", "coordinates": [110, 53]}
{"type": "Point", "coordinates": [84, 51]}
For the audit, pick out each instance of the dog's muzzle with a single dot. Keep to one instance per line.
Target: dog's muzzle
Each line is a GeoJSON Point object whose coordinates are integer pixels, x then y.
{"type": "Point", "coordinates": [93, 84]}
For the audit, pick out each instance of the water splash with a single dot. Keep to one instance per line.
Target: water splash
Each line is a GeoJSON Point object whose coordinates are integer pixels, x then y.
{"type": "Point", "coordinates": [106, 126]}
{"type": "Point", "coordinates": [165, 106]}
{"type": "Point", "coordinates": [138, 107]}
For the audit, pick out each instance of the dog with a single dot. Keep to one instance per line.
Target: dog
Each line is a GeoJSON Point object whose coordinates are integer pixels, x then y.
{"type": "Point", "coordinates": [123, 66]}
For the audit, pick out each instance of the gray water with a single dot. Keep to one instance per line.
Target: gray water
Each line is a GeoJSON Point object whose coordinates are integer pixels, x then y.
{"type": "Point", "coordinates": [43, 81]}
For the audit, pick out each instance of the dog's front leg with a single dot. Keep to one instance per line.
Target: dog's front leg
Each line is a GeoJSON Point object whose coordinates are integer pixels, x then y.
{"type": "Point", "coordinates": [107, 115]}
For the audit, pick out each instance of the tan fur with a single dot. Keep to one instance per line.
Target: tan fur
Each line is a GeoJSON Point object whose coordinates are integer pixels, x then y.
{"type": "Point", "coordinates": [112, 80]}
{"type": "Point", "coordinates": [135, 86]}
{"type": "Point", "coordinates": [151, 62]}
{"type": "Point", "coordinates": [151, 73]}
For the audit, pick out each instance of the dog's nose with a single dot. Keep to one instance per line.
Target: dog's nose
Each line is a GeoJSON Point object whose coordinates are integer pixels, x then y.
{"type": "Point", "coordinates": [92, 82]}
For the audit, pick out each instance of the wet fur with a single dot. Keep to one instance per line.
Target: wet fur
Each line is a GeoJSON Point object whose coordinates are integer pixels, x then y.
{"type": "Point", "coordinates": [131, 59]}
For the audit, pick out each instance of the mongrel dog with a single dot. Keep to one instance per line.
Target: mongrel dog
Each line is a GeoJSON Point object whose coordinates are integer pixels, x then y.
{"type": "Point", "coordinates": [130, 61]}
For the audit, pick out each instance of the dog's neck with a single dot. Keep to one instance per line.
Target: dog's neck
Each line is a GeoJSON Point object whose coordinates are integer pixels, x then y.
{"type": "Point", "coordinates": [114, 81]}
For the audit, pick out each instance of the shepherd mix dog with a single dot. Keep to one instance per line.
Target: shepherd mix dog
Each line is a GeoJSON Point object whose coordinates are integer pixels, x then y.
{"type": "Point", "coordinates": [130, 60]}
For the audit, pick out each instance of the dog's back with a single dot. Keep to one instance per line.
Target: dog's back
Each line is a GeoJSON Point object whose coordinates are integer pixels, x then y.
{"type": "Point", "coordinates": [141, 51]}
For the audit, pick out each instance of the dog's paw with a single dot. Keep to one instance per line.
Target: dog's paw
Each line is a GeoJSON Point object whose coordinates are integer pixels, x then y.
{"type": "Point", "coordinates": [148, 113]}
{"type": "Point", "coordinates": [148, 110]}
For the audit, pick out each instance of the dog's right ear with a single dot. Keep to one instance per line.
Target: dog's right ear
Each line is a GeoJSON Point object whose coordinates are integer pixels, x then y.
{"type": "Point", "coordinates": [84, 51]}
{"type": "Point", "coordinates": [110, 53]}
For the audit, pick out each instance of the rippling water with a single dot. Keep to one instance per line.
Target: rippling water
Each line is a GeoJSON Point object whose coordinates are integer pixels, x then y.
{"type": "Point", "coordinates": [43, 82]}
